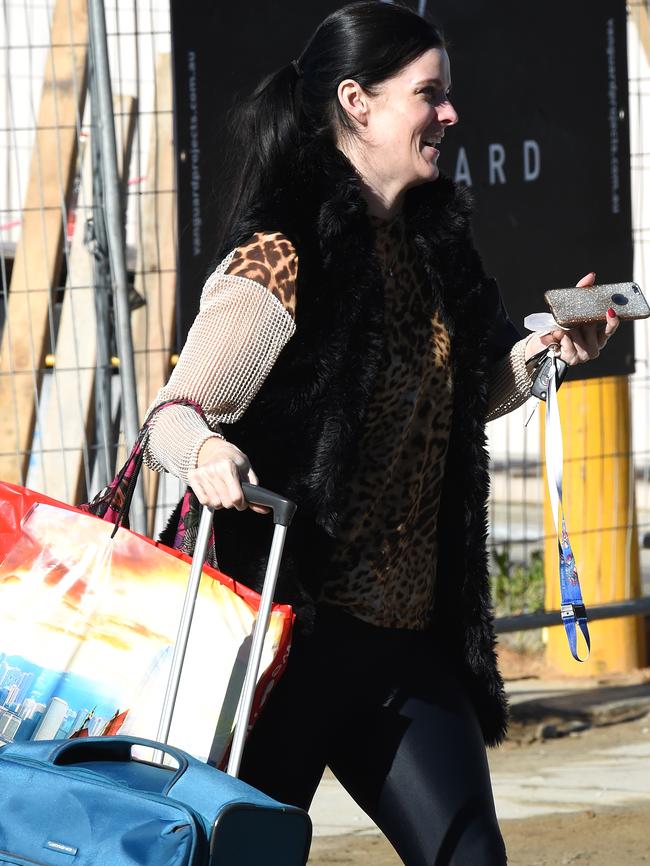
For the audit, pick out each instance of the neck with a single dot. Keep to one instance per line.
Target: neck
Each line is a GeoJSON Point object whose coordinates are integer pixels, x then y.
{"type": "Point", "coordinates": [384, 199]}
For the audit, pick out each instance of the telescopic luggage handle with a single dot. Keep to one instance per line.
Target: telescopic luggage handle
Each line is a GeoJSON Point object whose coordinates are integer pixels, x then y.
{"type": "Point", "coordinates": [283, 512]}
{"type": "Point", "coordinates": [283, 508]}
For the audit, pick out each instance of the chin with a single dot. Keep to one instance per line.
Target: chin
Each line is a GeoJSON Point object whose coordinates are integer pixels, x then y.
{"type": "Point", "coordinates": [427, 177]}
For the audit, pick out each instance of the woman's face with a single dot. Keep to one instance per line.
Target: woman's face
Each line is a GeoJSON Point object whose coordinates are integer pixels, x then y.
{"type": "Point", "coordinates": [402, 125]}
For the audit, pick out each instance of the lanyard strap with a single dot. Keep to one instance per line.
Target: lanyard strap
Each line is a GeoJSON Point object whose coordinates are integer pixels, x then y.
{"type": "Point", "coordinates": [574, 614]}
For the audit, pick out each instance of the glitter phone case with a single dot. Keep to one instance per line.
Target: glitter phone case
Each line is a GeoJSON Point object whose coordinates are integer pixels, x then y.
{"type": "Point", "coordinates": [579, 306]}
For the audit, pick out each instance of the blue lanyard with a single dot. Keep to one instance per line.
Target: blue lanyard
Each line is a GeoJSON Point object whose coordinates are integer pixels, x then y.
{"type": "Point", "coordinates": [574, 614]}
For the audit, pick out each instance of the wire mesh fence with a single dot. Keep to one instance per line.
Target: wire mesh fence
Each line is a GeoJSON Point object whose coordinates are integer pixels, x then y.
{"type": "Point", "coordinates": [639, 107]}
{"type": "Point", "coordinates": [62, 420]}
{"type": "Point", "coordinates": [60, 364]}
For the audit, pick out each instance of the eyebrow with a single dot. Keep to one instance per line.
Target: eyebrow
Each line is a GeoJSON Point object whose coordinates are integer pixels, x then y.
{"type": "Point", "coordinates": [435, 81]}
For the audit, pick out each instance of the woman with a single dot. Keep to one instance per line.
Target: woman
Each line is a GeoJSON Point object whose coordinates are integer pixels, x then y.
{"type": "Point", "coordinates": [352, 347]}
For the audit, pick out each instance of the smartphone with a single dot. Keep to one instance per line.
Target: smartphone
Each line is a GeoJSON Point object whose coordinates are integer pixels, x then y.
{"type": "Point", "coordinates": [580, 306]}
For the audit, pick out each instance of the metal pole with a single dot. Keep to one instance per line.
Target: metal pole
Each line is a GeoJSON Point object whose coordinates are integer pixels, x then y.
{"type": "Point", "coordinates": [116, 242]}
{"type": "Point", "coordinates": [183, 636]}
{"type": "Point", "coordinates": [97, 244]}
{"type": "Point", "coordinates": [526, 621]}
{"type": "Point", "coordinates": [257, 647]}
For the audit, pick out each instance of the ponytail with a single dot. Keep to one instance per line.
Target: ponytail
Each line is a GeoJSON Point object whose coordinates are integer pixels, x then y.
{"type": "Point", "coordinates": [264, 140]}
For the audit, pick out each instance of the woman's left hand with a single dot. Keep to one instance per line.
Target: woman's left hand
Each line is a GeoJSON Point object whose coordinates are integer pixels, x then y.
{"type": "Point", "coordinates": [580, 344]}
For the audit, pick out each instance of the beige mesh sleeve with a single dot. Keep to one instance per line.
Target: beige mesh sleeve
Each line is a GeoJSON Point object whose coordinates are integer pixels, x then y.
{"type": "Point", "coordinates": [510, 382]}
{"type": "Point", "coordinates": [175, 439]}
{"type": "Point", "coordinates": [240, 330]}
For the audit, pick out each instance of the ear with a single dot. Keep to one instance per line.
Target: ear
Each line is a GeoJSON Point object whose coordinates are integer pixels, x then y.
{"type": "Point", "coordinates": [354, 100]}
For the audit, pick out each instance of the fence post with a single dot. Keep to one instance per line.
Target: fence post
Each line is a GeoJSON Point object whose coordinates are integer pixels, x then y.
{"type": "Point", "coordinates": [601, 519]}
{"type": "Point", "coordinates": [116, 242]}
{"type": "Point", "coordinates": [106, 447]}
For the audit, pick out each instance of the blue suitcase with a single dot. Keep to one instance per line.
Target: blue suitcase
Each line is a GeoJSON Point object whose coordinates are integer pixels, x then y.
{"type": "Point", "coordinates": [92, 802]}
{"type": "Point", "coordinates": [88, 802]}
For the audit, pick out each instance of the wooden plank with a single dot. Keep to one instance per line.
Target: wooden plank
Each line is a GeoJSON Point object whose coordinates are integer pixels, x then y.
{"type": "Point", "coordinates": [153, 324]}
{"type": "Point", "coordinates": [60, 471]}
{"type": "Point", "coordinates": [641, 17]}
{"type": "Point", "coordinates": [37, 265]}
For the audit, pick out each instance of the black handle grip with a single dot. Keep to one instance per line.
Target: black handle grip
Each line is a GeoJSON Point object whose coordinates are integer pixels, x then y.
{"type": "Point", "coordinates": [283, 508]}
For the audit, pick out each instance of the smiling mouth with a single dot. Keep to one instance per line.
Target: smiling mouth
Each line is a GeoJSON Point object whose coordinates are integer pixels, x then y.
{"type": "Point", "coordinates": [432, 142]}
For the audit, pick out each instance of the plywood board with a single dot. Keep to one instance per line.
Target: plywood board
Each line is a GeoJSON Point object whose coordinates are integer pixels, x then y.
{"type": "Point", "coordinates": [61, 469]}
{"type": "Point", "coordinates": [37, 265]}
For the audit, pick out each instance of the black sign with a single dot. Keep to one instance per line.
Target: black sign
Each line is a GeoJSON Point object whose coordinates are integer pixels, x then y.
{"type": "Point", "coordinates": [543, 137]}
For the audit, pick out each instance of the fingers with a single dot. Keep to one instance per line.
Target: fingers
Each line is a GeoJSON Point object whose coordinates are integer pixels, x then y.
{"type": "Point", "coordinates": [234, 497]}
{"type": "Point", "coordinates": [588, 340]}
{"type": "Point", "coordinates": [587, 280]}
{"type": "Point", "coordinates": [579, 345]}
{"type": "Point", "coordinates": [553, 337]}
{"type": "Point", "coordinates": [585, 340]}
{"type": "Point", "coordinates": [612, 324]}
{"type": "Point", "coordinates": [202, 494]}
{"type": "Point", "coordinates": [569, 351]}
{"type": "Point", "coordinates": [217, 483]}
{"type": "Point", "coordinates": [575, 346]}
{"type": "Point", "coordinates": [253, 479]}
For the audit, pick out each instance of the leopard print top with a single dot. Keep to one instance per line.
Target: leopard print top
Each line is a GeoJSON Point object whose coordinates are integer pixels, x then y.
{"type": "Point", "coordinates": [384, 568]}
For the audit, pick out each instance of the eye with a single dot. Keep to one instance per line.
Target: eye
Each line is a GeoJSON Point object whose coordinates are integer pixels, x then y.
{"type": "Point", "coordinates": [435, 95]}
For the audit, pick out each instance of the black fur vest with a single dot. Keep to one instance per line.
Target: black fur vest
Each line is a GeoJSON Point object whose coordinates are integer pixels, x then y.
{"type": "Point", "coordinates": [301, 430]}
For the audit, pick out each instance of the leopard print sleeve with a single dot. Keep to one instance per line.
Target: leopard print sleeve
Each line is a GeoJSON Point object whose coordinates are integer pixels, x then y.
{"type": "Point", "coordinates": [246, 317]}
{"type": "Point", "coordinates": [269, 259]}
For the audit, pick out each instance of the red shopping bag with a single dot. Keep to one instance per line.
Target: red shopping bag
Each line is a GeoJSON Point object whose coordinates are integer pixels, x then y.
{"type": "Point", "coordinates": [89, 613]}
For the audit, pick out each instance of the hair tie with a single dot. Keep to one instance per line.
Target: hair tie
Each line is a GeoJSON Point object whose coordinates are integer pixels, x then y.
{"type": "Point", "coordinates": [296, 68]}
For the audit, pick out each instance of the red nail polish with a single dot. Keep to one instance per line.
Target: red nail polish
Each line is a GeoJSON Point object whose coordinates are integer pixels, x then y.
{"type": "Point", "coordinates": [611, 313]}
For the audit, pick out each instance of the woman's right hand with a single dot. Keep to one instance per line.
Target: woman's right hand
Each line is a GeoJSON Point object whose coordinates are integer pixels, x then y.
{"type": "Point", "coordinates": [216, 481]}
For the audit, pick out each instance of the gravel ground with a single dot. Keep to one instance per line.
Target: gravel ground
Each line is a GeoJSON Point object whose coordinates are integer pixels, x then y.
{"type": "Point", "coordinates": [612, 837]}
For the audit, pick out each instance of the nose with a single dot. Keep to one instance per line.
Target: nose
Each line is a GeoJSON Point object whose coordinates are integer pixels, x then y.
{"type": "Point", "coordinates": [447, 114]}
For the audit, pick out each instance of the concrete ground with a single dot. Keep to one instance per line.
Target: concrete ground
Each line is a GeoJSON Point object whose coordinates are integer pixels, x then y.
{"type": "Point", "coordinates": [577, 750]}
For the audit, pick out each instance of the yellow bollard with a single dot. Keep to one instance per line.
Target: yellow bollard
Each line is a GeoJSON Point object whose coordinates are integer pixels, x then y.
{"type": "Point", "coordinates": [601, 520]}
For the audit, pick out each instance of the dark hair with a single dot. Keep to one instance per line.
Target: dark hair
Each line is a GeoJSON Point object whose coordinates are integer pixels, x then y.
{"type": "Point", "coordinates": [366, 41]}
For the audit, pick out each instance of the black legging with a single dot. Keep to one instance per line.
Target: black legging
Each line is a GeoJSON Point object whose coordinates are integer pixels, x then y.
{"type": "Point", "coordinates": [398, 732]}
